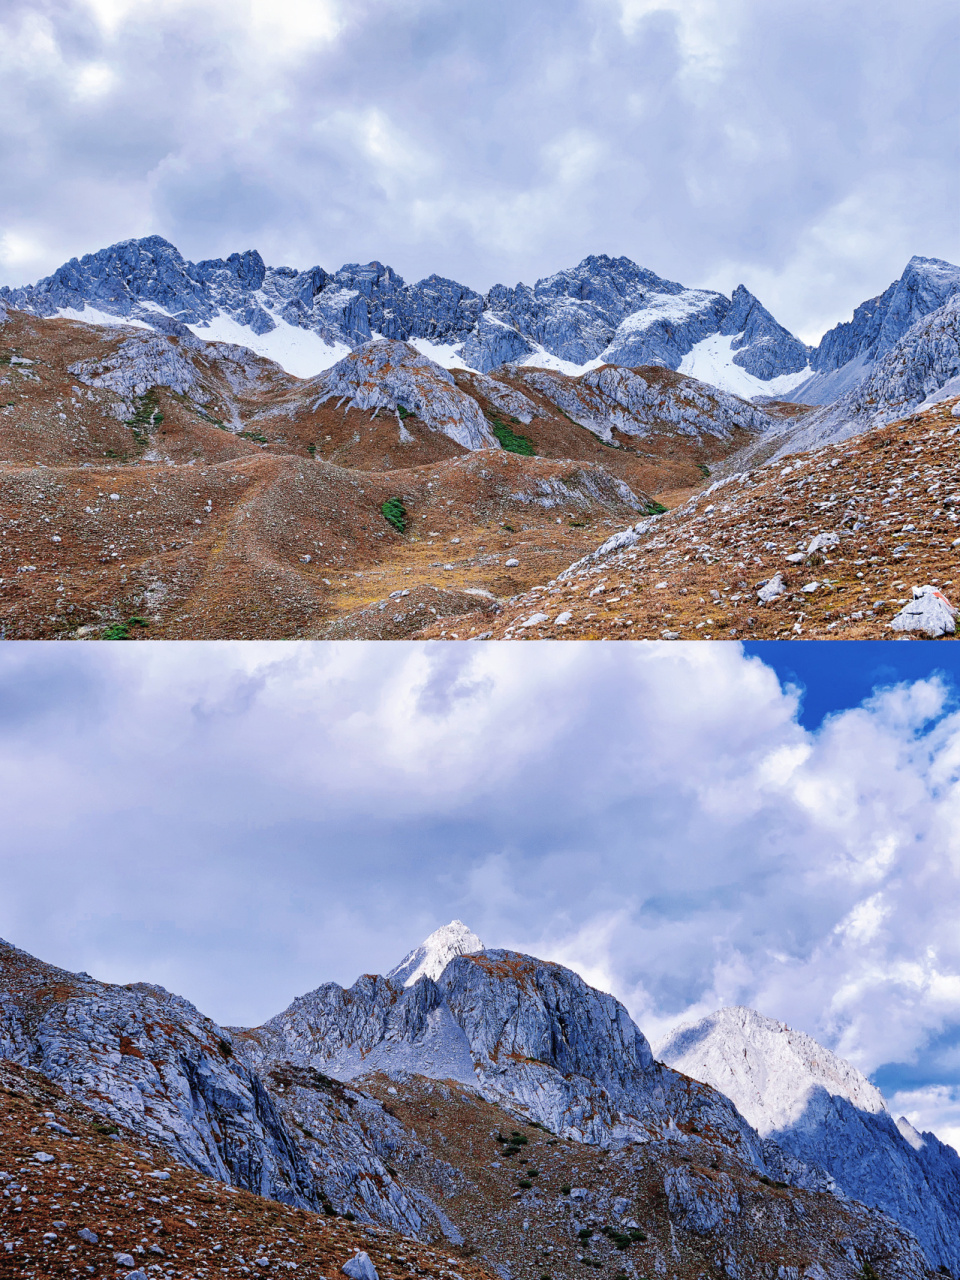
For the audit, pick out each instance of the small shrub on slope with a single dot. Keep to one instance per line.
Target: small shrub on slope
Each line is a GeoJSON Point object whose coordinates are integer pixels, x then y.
{"type": "Point", "coordinates": [395, 513]}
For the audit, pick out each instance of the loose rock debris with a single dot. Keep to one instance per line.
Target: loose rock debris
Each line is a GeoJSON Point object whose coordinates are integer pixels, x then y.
{"type": "Point", "coordinates": [105, 1203]}
{"type": "Point", "coordinates": [829, 544]}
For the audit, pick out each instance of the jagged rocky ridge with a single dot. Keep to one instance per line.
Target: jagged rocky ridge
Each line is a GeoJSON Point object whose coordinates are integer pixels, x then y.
{"type": "Point", "coordinates": [603, 310]}
{"type": "Point", "coordinates": [827, 1114]}
{"type": "Point", "coordinates": [920, 369]}
{"type": "Point", "coordinates": [847, 353]}
{"type": "Point", "coordinates": [255, 1107]}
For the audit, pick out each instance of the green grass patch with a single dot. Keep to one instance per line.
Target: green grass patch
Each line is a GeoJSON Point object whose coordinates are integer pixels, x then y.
{"type": "Point", "coordinates": [395, 513]}
{"type": "Point", "coordinates": [405, 413]}
{"type": "Point", "coordinates": [121, 630]}
{"type": "Point", "coordinates": [510, 440]}
{"type": "Point", "coordinates": [256, 436]}
{"type": "Point", "coordinates": [703, 469]}
{"type": "Point", "coordinates": [655, 509]}
{"type": "Point", "coordinates": [146, 416]}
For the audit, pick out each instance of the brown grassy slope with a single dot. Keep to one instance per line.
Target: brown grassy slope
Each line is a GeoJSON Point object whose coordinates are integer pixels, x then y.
{"type": "Point", "coordinates": [892, 494]}
{"type": "Point", "coordinates": [182, 1225]}
{"type": "Point", "coordinates": [276, 546]}
{"type": "Point", "coordinates": [210, 533]}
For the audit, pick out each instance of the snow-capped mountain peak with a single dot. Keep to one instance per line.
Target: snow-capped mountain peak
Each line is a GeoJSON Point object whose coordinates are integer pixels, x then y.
{"type": "Point", "coordinates": [435, 952]}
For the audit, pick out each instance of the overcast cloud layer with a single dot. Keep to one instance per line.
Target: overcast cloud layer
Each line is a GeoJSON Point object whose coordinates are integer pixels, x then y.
{"type": "Point", "coordinates": [243, 822]}
{"type": "Point", "coordinates": [806, 148]}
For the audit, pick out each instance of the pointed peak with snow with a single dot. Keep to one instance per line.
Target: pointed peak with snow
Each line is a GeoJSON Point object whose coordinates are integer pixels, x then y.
{"type": "Point", "coordinates": [434, 954]}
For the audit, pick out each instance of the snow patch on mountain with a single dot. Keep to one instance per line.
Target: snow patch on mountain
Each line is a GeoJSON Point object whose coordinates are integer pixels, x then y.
{"type": "Point", "coordinates": [434, 954]}
{"type": "Point", "coordinates": [542, 359]}
{"type": "Point", "coordinates": [445, 354]}
{"type": "Point", "coordinates": [301, 352]}
{"type": "Point", "coordinates": [92, 315]}
{"type": "Point", "coordinates": [712, 360]}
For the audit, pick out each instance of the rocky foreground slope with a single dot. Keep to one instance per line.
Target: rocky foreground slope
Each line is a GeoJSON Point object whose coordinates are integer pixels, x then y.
{"type": "Point", "coordinates": [80, 1195]}
{"type": "Point", "coordinates": [504, 1111]}
{"type": "Point", "coordinates": [825, 544]}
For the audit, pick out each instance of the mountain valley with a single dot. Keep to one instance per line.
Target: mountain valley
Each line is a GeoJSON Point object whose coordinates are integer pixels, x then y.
{"type": "Point", "coordinates": [156, 482]}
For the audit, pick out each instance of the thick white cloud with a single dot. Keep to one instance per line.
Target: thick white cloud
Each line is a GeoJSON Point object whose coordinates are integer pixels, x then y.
{"type": "Point", "coordinates": [807, 149]}
{"type": "Point", "coordinates": [241, 822]}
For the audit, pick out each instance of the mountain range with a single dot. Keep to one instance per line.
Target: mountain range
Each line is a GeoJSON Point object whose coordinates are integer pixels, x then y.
{"type": "Point", "coordinates": [497, 1102]}
{"type": "Point", "coordinates": [603, 311]}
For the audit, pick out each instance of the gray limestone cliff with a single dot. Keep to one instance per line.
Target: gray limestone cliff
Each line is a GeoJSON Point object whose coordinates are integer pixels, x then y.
{"type": "Point", "coordinates": [847, 353]}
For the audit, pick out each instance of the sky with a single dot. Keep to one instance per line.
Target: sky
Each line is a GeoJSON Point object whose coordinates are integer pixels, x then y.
{"type": "Point", "coordinates": [805, 148]}
{"type": "Point", "coordinates": [688, 826]}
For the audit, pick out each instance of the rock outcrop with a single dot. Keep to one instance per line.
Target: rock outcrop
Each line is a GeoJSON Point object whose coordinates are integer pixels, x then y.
{"type": "Point", "coordinates": [531, 1033]}
{"type": "Point", "coordinates": [395, 377]}
{"type": "Point", "coordinates": [827, 1114]}
{"type": "Point", "coordinates": [149, 1060]}
{"type": "Point", "coordinates": [920, 368]}
{"type": "Point", "coordinates": [640, 401]}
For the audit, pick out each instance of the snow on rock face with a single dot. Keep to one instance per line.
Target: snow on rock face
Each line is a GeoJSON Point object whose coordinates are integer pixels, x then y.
{"type": "Point", "coordinates": [391, 375]}
{"type": "Point", "coordinates": [827, 1114]}
{"type": "Point", "coordinates": [768, 1070]}
{"type": "Point", "coordinates": [434, 954]}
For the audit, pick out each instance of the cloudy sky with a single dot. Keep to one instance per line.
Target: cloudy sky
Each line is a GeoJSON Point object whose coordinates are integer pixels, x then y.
{"type": "Point", "coordinates": [242, 822]}
{"type": "Point", "coordinates": [806, 148]}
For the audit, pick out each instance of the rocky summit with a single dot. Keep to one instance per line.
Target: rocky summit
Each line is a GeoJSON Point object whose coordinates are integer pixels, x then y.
{"type": "Point", "coordinates": [479, 1113]}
